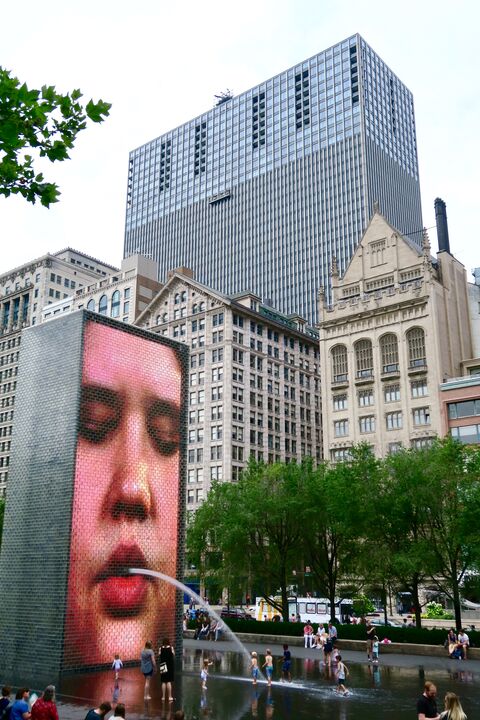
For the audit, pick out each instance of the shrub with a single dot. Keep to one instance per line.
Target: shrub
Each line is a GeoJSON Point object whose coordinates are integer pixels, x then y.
{"type": "Point", "coordinates": [418, 636]}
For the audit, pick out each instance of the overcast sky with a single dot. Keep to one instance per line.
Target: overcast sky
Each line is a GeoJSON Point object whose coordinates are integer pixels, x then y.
{"type": "Point", "coordinates": [161, 63]}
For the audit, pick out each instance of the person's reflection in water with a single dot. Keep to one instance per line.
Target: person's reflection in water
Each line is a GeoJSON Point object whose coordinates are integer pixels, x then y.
{"type": "Point", "coordinates": [204, 709]}
{"type": "Point", "coordinates": [254, 702]}
{"type": "Point", "coordinates": [269, 704]}
{"type": "Point", "coordinates": [116, 693]}
{"type": "Point", "coordinates": [166, 713]}
{"type": "Point", "coordinates": [287, 703]}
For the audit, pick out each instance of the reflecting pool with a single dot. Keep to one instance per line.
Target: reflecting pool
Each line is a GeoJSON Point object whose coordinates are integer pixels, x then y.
{"type": "Point", "coordinates": [375, 691]}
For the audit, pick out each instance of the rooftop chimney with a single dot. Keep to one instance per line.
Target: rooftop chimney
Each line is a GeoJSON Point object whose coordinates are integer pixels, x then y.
{"type": "Point", "coordinates": [442, 226]}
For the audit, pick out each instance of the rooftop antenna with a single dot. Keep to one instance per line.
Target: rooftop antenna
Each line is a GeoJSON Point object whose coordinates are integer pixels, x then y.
{"type": "Point", "coordinates": [223, 97]}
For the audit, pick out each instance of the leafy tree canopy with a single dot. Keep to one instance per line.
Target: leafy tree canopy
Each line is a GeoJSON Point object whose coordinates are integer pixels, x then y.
{"type": "Point", "coordinates": [42, 121]}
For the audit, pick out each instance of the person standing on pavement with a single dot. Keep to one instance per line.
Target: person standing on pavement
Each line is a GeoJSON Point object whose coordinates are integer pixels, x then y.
{"type": "Point", "coordinates": [427, 704]}
{"type": "Point", "coordinates": [166, 664]}
{"type": "Point", "coordinates": [370, 632]}
{"type": "Point", "coordinates": [308, 634]}
{"type": "Point", "coordinates": [148, 667]}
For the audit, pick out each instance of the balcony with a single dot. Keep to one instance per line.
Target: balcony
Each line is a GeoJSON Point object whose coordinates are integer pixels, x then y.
{"type": "Point", "coordinates": [390, 372]}
{"type": "Point", "coordinates": [417, 367]}
{"type": "Point", "coordinates": [364, 377]}
{"type": "Point", "coordinates": [340, 381]}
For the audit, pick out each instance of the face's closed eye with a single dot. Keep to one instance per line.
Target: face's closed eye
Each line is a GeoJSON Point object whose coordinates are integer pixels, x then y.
{"type": "Point", "coordinates": [163, 427]}
{"type": "Point", "coordinates": [100, 413]}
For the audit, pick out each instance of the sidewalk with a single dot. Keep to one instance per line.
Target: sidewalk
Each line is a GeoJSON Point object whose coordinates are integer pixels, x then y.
{"type": "Point", "coordinates": [391, 660]}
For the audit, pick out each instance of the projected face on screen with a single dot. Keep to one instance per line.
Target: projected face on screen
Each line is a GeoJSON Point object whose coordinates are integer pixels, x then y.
{"type": "Point", "coordinates": [126, 496]}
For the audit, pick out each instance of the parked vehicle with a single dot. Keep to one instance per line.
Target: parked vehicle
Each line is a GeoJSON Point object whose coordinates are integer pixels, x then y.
{"type": "Point", "coordinates": [235, 613]}
{"type": "Point", "coordinates": [317, 610]}
{"type": "Point", "coordinates": [377, 619]}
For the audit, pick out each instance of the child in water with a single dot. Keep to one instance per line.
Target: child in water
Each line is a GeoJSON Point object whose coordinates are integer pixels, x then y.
{"type": "Point", "coordinates": [254, 667]}
{"type": "Point", "coordinates": [204, 673]}
{"type": "Point", "coordinates": [268, 665]}
{"type": "Point", "coordinates": [117, 665]}
{"type": "Point", "coordinates": [342, 672]}
{"type": "Point", "coordinates": [286, 661]}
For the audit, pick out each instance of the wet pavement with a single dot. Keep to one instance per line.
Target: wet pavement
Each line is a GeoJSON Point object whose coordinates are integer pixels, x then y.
{"type": "Point", "coordinates": [389, 690]}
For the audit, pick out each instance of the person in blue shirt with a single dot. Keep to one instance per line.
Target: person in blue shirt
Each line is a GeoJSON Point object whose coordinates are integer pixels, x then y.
{"type": "Point", "coordinates": [286, 661]}
{"type": "Point", "coordinates": [20, 709]}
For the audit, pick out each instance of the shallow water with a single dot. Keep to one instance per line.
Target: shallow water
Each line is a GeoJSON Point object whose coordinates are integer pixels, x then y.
{"type": "Point", "coordinates": [375, 692]}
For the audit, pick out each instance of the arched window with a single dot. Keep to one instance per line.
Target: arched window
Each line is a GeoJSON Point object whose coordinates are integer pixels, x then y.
{"type": "Point", "coordinates": [389, 353]}
{"type": "Point", "coordinates": [115, 308]}
{"type": "Point", "coordinates": [195, 308]}
{"type": "Point", "coordinates": [364, 358]}
{"type": "Point", "coordinates": [416, 347]}
{"type": "Point", "coordinates": [159, 320]}
{"type": "Point", "coordinates": [201, 307]}
{"type": "Point", "coordinates": [339, 363]}
{"type": "Point", "coordinates": [103, 305]}
{"type": "Point", "coordinates": [164, 317]}
{"type": "Point", "coordinates": [91, 305]}
{"type": "Point", "coordinates": [176, 299]}
{"type": "Point", "coordinates": [183, 296]}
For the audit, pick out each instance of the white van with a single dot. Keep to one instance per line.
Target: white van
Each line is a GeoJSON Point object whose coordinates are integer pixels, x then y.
{"type": "Point", "coordinates": [317, 610]}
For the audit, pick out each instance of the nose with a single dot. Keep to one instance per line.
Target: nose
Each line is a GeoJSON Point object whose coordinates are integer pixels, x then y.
{"type": "Point", "coordinates": [130, 496]}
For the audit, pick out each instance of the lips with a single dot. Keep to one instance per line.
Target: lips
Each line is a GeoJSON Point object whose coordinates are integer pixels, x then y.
{"type": "Point", "coordinates": [121, 593]}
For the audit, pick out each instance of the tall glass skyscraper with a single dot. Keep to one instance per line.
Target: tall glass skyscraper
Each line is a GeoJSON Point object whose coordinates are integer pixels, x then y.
{"type": "Point", "coordinates": [262, 191]}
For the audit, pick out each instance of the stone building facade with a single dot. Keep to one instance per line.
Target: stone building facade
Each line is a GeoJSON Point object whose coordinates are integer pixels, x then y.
{"type": "Point", "coordinates": [397, 328]}
{"type": "Point", "coordinates": [24, 292]}
{"type": "Point", "coordinates": [254, 385]}
{"type": "Point", "coordinates": [121, 295]}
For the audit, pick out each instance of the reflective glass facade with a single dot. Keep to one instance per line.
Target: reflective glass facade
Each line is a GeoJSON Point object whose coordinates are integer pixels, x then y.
{"type": "Point", "coordinates": [261, 191]}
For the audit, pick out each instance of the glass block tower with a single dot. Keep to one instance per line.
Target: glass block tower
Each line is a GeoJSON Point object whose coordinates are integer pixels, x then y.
{"type": "Point", "coordinates": [266, 188]}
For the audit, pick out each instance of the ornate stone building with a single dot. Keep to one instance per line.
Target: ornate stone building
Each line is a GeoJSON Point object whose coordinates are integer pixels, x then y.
{"type": "Point", "coordinates": [254, 380]}
{"type": "Point", "coordinates": [397, 328]}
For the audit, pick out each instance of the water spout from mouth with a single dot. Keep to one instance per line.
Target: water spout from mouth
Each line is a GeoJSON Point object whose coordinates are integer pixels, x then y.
{"type": "Point", "coordinates": [184, 588]}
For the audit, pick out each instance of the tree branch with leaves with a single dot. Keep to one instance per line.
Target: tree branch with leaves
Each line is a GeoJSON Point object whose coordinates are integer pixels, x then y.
{"type": "Point", "coordinates": [41, 122]}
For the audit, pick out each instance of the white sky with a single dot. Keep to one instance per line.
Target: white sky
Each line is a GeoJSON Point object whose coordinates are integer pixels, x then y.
{"type": "Point", "coordinates": [160, 64]}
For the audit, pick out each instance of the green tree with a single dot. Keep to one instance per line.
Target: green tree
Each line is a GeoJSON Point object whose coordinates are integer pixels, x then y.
{"type": "Point", "coordinates": [253, 528]}
{"type": "Point", "coordinates": [333, 535]}
{"type": "Point", "coordinates": [396, 536]}
{"type": "Point", "coordinates": [451, 504]}
{"type": "Point", "coordinates": [41, 121]}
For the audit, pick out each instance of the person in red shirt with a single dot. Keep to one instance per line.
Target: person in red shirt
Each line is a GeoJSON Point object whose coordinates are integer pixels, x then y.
{"type": "Point", "coordinates": [308, 634]}
{"type": "Point", "coordinates": [44, 708]}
